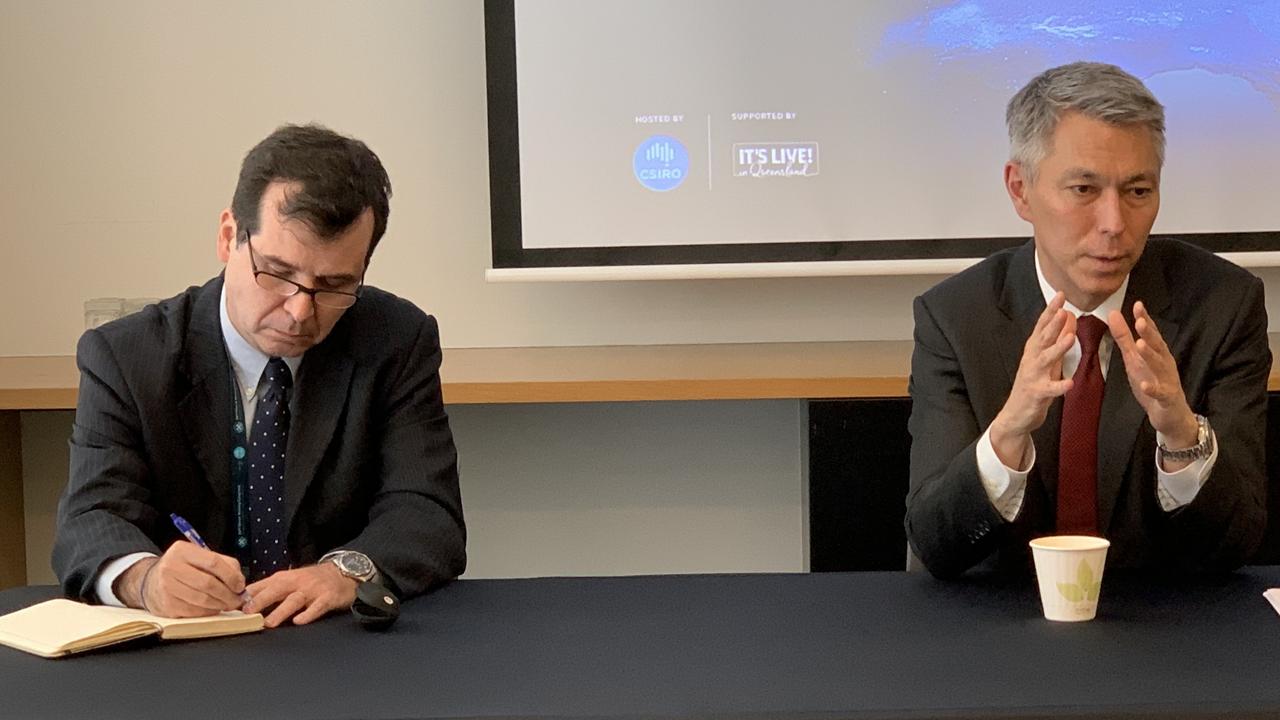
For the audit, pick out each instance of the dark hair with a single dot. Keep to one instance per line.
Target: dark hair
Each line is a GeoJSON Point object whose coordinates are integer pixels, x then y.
{"type": "Point", "coordinates": [337, 178]}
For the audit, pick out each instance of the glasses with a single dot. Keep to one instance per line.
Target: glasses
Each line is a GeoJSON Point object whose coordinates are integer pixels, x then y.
{"type": "Point", "coordinates": [338, 299]}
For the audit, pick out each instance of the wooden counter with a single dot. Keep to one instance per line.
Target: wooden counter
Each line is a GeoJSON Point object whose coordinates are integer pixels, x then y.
{"type": "Point", "coordinates": [589, 374]}
{"type": "Point", "coordinates": [854, 369]}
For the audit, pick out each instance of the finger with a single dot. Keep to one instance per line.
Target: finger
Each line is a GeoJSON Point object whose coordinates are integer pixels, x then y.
{"type": "Point", "coordinates": [226, 570]}
{"type": "Point", "coordinates": [1050, 311]}
{"type": "Point", "coordinates": [204, 589]}
{"type": "Point", "coordinates": [176, 596]}
{"type": "Point", "coordinates": [159, 599]}
{"type": "Point", "coordinates": [1042, 334]}
{"type": "Point", "coordinates": [318, 608]}
{"type": "Point", "coordinates": [1058, 388]}
{"type": "Point", "coordinates": [1055, 351]}
{"type": "Point", "coordinates": [1068, 333]}
{"type": "Point", "coordinates": [1120, 332]}
{"type": "Point", "coordinates": [268, 592]}
{"type": "Point", "coordinates": [1056, 326]}
{"type": "Point", "coordinates": [1148, 331]}
{"type": "Point", "coordinates": [1157, 359]}
{"type": "Point", "coordinates": [286, 609]}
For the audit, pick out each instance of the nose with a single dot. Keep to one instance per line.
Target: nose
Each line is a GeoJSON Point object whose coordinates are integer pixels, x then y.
{"type": "Point", "coordinates": [300, 307]}
{"type": "Point", "coordinates": [1110, 213]}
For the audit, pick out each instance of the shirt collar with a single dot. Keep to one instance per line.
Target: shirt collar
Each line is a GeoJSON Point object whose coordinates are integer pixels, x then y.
{"type": "Point", "coordinates": [247, 360]}
{"type": "Point", "coordinates": [1114, 301]}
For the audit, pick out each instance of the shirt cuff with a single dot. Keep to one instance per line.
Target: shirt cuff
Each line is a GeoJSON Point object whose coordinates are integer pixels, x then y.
{"type": "Point", "coordinates": [112, 570]}
{"type": "Point", "coordinates": [1005, 486]}
{"type": "Point", "coordinates": [1178, 489]}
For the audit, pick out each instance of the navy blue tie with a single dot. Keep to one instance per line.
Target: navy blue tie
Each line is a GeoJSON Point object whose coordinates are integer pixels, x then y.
{"type": "Point", "coordinates": [267, 532]}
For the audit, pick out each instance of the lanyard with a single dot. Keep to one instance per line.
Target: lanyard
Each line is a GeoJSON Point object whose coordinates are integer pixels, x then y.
{"type": "Point", "coordinates": [239, 475]}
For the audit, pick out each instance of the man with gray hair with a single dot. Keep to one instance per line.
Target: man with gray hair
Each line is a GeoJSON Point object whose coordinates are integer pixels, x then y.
{"type": "Point", "coordinates": [1089, 381]}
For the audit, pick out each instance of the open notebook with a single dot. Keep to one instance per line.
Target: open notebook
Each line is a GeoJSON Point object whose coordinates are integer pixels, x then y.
{"type": "Point", "coordinates": [60, 627]}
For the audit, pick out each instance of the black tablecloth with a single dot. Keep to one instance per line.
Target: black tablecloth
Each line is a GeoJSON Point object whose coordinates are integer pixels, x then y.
{"type": "Point", "coordinates": [863, 645]}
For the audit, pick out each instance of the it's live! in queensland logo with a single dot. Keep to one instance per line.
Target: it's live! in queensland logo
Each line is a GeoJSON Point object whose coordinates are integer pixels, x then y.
{"type": "Point", "coordinates": [661, 163]}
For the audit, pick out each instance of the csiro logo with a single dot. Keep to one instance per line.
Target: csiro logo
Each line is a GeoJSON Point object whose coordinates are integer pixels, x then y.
{"type": "Point", "coordinates": [661, 163]}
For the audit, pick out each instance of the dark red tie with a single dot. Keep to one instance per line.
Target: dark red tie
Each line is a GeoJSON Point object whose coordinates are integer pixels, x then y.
{"type": "Point", "coordinates": [1078, 443]}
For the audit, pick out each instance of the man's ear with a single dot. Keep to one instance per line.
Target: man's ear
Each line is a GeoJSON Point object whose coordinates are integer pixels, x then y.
{"type": "Point", "coordinates": [1018, 187]}
{"type": "Point", "coordinates": [226, 235]}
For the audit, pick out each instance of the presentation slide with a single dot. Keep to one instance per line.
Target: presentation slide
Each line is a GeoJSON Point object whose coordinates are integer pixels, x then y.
{"type": "Point", "coordinates": [712, 122]}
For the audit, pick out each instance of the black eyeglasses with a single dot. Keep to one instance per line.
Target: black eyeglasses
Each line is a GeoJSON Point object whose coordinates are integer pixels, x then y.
{"type": "Point", "coordinates": [338, 299]}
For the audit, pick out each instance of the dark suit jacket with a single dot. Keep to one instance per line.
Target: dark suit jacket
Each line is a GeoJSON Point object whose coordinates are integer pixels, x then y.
{"type": "Point", "coordinates": [969, 335]}
{"type": "Point", "coordinates": [370, 465]}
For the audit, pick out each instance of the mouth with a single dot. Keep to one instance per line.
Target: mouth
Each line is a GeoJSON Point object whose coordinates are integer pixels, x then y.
{"type": "Point", "coordinates": [1108, 263]}
{"type": "Point", "coordinates": [290, 337]}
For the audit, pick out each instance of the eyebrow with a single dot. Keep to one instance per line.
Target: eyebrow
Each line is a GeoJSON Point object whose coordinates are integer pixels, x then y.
{"type": "Point", "coordinates": [339, 279]}
{"type": "Point", "coordinates": [1085, 174]}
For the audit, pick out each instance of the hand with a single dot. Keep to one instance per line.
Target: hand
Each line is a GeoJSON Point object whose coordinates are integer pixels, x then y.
{"type": "Point", "coordinates": [1153, 377]}
{"type": "Point", "coordinates": [304, 594]}
{"type": "Point", "coordinates": [187, 581]}
{"type": "Point", "coordinates": [1038, 382]}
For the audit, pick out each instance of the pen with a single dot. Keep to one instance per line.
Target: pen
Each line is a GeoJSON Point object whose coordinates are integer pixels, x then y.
{"type": "Point", "coordinates": [187, 531]}
{"type": "Point", "coordinates": [190, 533]}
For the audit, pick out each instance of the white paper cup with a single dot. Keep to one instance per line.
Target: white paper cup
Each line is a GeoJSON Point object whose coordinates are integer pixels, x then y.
{"type": "Point", "coordinates": [1069, 571]}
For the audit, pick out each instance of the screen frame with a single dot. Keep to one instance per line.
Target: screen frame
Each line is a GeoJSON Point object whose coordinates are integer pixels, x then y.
{"type": "Point", "coordinates": [1260, 248]}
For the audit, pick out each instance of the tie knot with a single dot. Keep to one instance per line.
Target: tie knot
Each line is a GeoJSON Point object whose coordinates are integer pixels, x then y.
{"type": "Point", "coordinates": [1089, 330]}
{"type": "Point", "coordinates": [278, 374]}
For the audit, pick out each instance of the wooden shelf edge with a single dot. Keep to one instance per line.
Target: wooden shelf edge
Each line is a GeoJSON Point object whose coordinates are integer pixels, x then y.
{"type": "Point", "coordinates": [663, 390]}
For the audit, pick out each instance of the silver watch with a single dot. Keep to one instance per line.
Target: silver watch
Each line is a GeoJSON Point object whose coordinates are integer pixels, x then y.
{"type": "Point", "coordinates": [1202, 449]}
{"type": "Point", "coordinates": [355, 565]}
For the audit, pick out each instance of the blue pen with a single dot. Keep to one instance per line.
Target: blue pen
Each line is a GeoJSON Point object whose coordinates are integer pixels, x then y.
{"type": "Point", "coordinates": [187, 531]}
{"type": "Point", "coordinates": [190, 533]}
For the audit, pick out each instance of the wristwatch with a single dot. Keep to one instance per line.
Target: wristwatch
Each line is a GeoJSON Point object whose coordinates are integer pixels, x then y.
{"type": "Point", "coordinates": [355, 565]}
{"type": "Point", "coordinates": [1202, 449]}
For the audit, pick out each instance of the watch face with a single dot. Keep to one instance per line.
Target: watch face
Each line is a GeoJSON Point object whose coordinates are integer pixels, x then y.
{"type": "Point", "coordinates": [355, 564]}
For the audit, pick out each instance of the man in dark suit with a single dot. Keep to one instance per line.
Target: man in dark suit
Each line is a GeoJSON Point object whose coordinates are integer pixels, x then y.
{"type": "Point", "coordinates": [1090, 381]}
{"type": "Point", "coordinates": [291, 414]}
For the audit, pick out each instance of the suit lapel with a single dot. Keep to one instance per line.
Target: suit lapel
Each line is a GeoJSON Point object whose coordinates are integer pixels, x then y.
{"type": "Point", "coordinates": [1020, 303]}
{"type": "Point", "coordinates": [1122, 416]}
{"type": "Point", "coordinates": [324, 379]}
{"type": "Point", "coordinates": [206, 408]}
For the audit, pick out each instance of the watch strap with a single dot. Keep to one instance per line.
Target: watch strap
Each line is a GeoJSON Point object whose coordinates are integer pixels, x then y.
{"type": "Point", "coordinates": [1202, 449]}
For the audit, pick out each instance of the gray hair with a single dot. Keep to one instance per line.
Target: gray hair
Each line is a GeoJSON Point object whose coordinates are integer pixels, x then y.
{"type": "Point", "coordinates": [1095, 90]}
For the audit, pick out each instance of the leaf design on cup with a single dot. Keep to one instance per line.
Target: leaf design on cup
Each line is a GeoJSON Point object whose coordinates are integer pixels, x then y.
{"type": "Point", "coordinates": [1085, 587]}
{"type": "Point", "coordinates": [1071, 592]}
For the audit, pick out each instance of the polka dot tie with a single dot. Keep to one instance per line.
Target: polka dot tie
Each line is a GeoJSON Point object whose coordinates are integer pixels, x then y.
{"type": "Point", "coordinates": [269, 550]}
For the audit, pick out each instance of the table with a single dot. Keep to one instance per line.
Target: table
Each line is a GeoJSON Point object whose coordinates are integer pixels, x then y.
{"type": "Point", "coordinates": [824, 645]}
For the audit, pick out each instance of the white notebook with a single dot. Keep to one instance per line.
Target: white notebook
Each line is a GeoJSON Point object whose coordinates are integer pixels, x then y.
{"type": "Point", "coordinates": [60, 627]}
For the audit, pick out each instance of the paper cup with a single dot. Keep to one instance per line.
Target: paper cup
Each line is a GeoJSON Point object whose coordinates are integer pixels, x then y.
{"type": "Point", "coordinates": [1069, 571]}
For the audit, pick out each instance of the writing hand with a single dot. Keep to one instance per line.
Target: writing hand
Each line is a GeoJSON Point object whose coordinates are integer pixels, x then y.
{"type": "Point", "coordinates": [187, 581]}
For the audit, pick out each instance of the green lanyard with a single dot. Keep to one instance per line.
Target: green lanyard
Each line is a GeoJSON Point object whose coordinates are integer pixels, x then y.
{"type": "Point", "coordinates": [239, 476]}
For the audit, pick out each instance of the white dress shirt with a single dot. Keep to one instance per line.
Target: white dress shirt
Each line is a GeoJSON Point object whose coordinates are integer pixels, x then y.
{"type": "Point", "coordinates": [1006, 486]}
